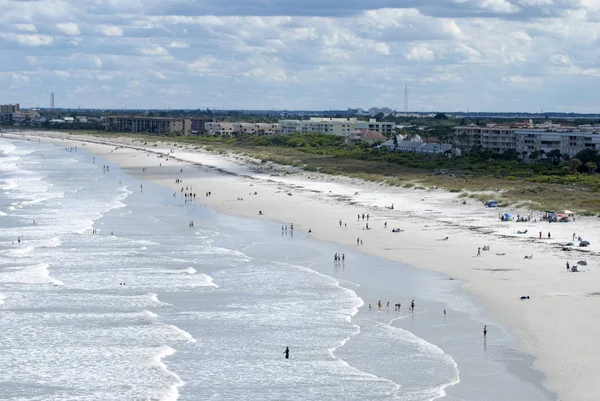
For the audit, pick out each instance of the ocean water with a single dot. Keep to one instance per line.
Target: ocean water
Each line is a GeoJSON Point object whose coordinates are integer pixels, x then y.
{"type": "Point", "coordinates": [149, 308]}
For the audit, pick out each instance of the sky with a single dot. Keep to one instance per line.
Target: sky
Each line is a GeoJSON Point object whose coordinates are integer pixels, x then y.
{"type": "Point", "coordinates": [454, 55]}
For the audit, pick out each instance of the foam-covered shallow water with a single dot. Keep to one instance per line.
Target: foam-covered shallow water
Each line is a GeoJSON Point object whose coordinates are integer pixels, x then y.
{"type": "Point", "coordinates": [149, 308]}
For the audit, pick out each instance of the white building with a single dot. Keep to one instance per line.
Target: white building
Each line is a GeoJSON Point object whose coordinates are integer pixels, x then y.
{"type": "Point", "coordinates": [223, 128]}
{"type": "Point", "coordinates": [334, 126]}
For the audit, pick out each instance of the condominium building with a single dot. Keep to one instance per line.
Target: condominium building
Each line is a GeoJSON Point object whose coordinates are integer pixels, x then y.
{"type": "Point", "coordinates": [528, 138]}
{"type": "Point", "coordinates": [9, 108]}
{"type": "Point", "coordinates": [568, 142]}
{"type": "Point", "coordinates": [334, 126]}
{"type": "Point", "coordinates": [152, 125]}
{"type": "Point", "coordinates": [224, 128]}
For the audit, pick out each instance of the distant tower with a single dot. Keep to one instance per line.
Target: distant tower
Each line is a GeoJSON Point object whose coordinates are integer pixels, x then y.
{"type": "Point", "coordinates": [406, 98]}
{"type": "Point", "coordinates": [52, 101]}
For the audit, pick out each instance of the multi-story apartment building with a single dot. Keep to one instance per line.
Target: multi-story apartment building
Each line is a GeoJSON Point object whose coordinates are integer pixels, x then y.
{"type": "Point", "coordinates": [9, 108]}
{"type": "Point", "coordinates": [334, 126]}
{"type": "Point", "coordinates": [528, 138]}
{"type": "Point", "coordinates": [223, 128]}
{"type": "Point", "coordinates": [568, 142]}
{"type": "Point", "coordinates": [152, 125]}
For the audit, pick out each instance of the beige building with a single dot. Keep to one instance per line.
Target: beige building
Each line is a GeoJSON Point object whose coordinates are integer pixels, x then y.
{"type": "Point", "coordinates": [334, 126]}
{"type": "Point", "coordinates": [567, 141]}
{"type": "Point", "coordinates": [528, 138]}
{"type": "Point", "coordinates": [151, 125]}
{"type": "Point", "coordinates": [9, 108]}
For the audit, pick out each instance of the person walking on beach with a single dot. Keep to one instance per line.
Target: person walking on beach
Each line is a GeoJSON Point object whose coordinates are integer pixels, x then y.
{"type": "Point", "coordinates": [287, 353]}
{"type": "Point", "coordinates": [358, 219]}
{"type": "Point", "coordinates": [367, 217]}
{"type": "Point", "coordinates": [369, 306]}
{"type": "Point", "coordinates": [540, 235]}
{"type": "Point", "coordinates": [357, 241]}
{"type": "Point", "coordinates": [444, 312]}
{"type": "Point", "coordinates": [343, 257]}
{"type": "Point", "coordinates": [412, 305]}
{"type": "Point", "coordinates": [479, 251]}
{"type": "Point", "coordinates": [379, 304]}
{"type": "Point", "coordinates": [549, 234]}
{"type": "Point", "coordinates": [385, 225]}
{"type": "Point", "coordinates": [568, 267]}
{"type": "Point", "coordinates": [484, 331]}
{"type": "Point", "coordinates": [340, 223]}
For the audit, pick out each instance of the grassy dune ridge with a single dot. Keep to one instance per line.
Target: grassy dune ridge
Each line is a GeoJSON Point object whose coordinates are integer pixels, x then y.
{"type": "Point", "coordinates": [542, 185]}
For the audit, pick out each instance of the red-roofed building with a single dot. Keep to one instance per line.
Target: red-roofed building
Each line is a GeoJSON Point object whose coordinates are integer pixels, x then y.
{"type": "Point", "coordinates": [368, 136]}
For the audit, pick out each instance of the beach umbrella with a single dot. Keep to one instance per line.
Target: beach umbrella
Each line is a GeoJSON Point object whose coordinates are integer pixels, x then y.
{"type": "Point", "coordinates": [549, 211]}
{"type": "Point", "coordinates": [568, 212]}
{"type": "Point", "coordinates": [582, 263]}
{"type": "Point", "coordinates": [584, 243]}
{"type": "Point", "coordinates": [507, 216]}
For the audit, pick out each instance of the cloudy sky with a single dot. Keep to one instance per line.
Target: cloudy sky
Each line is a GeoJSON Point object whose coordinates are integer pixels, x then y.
{"type": "Point", "coordinates": [454, 55]}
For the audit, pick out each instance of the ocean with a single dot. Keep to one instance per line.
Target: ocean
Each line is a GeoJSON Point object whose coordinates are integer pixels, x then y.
{"type": "Point", "coordinates": [108, 293]}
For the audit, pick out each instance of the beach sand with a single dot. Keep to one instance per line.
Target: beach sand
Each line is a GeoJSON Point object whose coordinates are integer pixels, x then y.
{"type": "Point", "coordinates": [558, 325]}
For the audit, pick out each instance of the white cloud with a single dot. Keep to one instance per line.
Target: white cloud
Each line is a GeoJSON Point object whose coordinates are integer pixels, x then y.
{"type": "Point", "coordinates": [153, 51]}
{"type": "Point", "coordinates": [96, 62]}
{"type": "Point", "coordinates": [110, 30]}
{"type": "Point", "coordinates": [158, 74]}
{"type": "Point", "coordinates": [202, 65]}
{"type": "Point", "coordinates": [332, 57]}
{"type": "Point", "coordinates": [560, 59]}
{"type": "Point", "coordinates": [28, 40]}
{"type": "Point", "coordinates": [25, 27]}
{"type": "Point", "coordinates": [516, 79]}
{"type": "Point", "coordinates": [69, 28]}
{"type": "Point", "coordinates": [178, 45]}
{"type": "Point", "coordinates": [420, 53]}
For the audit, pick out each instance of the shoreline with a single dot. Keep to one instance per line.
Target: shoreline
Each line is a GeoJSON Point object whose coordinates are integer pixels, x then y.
{"type": "Point", "coordinates": [426, 217]}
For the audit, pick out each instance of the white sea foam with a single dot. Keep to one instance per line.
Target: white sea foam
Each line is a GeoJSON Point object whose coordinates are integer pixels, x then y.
{"type": "Point", "coordinates": [189, 270]}
{"type": "Point", "coordinates": [33, 274]}
{"type": "Point", "coordinates": [146, 315]}
{"type": "Point", "coordinates": [153, 298]}
{"type": "Point", "coordinates": [172, 392]}
{"type": "Point", "coordinates": [206, 281]}
{"type": "Point", "coordinates": [181, 333]}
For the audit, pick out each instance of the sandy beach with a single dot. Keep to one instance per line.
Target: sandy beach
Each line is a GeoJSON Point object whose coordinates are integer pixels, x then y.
{"type": "Point", "coordinates": [557, 325]}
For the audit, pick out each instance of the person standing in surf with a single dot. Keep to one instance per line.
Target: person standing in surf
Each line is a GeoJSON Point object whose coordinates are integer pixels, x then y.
{"type": "Point", "coordinates": [287, 353]}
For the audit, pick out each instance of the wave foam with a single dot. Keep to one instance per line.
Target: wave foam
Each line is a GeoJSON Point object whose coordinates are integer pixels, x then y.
{"type": "Point", "coordinates": [189, 270]}
{"type": "Point", "coordinates": [33, 274]}
{"type": "Point", "coordinates": [171, 393]}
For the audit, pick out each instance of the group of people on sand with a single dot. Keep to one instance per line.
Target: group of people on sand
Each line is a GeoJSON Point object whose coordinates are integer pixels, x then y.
{"type": "Point", "coordinates": [339, 258]}
{"type": "Point", "coordinates": [485, 248]}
